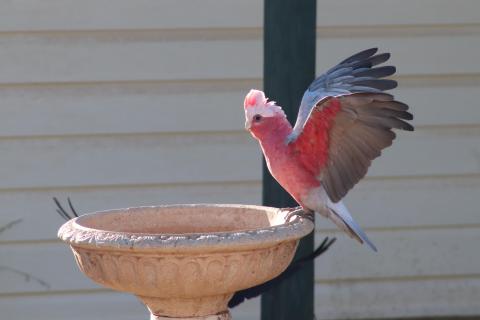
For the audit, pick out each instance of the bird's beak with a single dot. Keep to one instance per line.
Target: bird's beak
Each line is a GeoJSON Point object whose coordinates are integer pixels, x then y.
{"type": "Point", "coordinates": [247, 125]}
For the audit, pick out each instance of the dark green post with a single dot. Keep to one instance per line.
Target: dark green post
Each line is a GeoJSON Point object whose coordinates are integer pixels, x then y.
{"type": "Point", "coordinates": [289, 67]}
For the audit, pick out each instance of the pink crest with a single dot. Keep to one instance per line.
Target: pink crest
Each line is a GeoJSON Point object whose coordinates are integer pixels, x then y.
{"type": "Point", "coordinates": [255, 98]}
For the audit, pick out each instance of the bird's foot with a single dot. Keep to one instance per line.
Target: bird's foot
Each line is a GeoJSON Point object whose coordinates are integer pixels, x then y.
{"type": "Point", "coordinates": [298, 212]}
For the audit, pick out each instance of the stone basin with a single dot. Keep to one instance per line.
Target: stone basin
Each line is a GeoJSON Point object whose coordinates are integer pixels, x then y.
{"type": "Point", "coordinates": [184, 261]}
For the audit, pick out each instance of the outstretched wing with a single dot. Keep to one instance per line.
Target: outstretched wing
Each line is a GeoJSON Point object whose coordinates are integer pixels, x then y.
{"type": "Point", "coordinates": [342, 135]}
{"type": "Point", "coordinates": [352, 75]}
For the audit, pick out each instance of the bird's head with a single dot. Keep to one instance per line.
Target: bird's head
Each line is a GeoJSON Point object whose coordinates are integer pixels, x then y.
{"type": "Point", "coordinates": [260, 113]}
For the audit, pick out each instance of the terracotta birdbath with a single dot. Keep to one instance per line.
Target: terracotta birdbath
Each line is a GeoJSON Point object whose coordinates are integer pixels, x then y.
{"type": "Point", "coordinates": [184, 261]}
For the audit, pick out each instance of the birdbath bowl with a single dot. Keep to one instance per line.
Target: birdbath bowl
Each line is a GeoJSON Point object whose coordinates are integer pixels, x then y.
{"type": "Point", "coordinates": [184, 261]}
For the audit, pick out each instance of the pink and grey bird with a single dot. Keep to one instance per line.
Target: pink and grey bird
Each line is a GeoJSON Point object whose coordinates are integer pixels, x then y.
{"type": "Point", "coordinates": [344, 121]}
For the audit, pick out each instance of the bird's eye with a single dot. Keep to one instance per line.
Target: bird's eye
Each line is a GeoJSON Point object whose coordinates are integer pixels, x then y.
{"type": "Point", "coordinates": [257, 118]}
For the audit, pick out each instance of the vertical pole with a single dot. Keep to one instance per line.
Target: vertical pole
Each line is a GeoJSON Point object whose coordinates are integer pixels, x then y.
{"type": "Point", "coordinates": [289, 67]}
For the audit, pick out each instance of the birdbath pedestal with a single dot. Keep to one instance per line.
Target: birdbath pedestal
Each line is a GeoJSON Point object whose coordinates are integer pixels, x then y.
{"type": "Point", "coordinates": [184, 261]}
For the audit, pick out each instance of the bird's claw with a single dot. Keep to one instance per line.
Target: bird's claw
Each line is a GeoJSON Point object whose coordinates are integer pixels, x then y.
{"type": "Point", "coordinates": [297, 213]}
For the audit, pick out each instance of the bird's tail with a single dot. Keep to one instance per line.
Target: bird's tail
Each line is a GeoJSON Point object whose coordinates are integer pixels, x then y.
{"type": "Point", "coordinates": [339, 214]}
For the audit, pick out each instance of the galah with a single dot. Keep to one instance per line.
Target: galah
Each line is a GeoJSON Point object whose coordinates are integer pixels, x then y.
{"type": "Point", "coordinates": [344, 121]}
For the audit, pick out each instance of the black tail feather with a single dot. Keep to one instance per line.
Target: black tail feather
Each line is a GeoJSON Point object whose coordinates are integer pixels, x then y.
{"type": "Point", "coordinates": [62, 212]}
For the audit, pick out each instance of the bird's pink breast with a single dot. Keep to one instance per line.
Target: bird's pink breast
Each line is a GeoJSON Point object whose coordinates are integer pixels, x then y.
{"type": "Point", "coordinates": [291, 174]}
{"type": "Point", "coordinates": [282, 161]}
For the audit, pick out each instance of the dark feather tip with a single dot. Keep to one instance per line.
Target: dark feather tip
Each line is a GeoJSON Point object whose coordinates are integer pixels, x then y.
{"type": "Point", "coordinates": [362, 55]}
{"type": "Point", "coordinates": [62, 212]}
{"type": "Point", "coordinates": [379, 72]}
{"type": "Point", "coordinates": [408, 127]}
{"type": "Point", "coordinates": [380, 84]}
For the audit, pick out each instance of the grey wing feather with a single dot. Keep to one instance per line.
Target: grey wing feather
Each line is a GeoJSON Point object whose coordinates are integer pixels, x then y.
{"type": "Point", "coordinates": [353, 75]}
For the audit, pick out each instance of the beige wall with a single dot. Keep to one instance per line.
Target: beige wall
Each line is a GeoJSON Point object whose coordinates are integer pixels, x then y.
{"type": "Point", "coordinates": [123, 103]}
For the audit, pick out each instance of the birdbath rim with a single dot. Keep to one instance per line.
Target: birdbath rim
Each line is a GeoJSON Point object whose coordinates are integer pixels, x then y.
{"type": "Point", "coordinates": [87, 231]}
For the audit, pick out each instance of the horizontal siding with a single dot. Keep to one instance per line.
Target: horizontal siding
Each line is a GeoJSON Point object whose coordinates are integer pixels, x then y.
{"type": "Point", "coordinates": [423, 153]}
{"type": "Point", "coordinates": [412, 55]}
{"type": "Point", "coordinates": [225, 156]}
{"type": "Point", "coordinates": [76, 306]}
{"type": "Point", "coordinates": [400, 256]}
{"type": "Point", "coordinates": [171, 14]}
{"type": "Point", "coordinates": [124, 14]}
{"type": "Point", "coordinates": [334, 301]}
{"type": "Point", "coordinates": [156, 55]}
{"type": "Point", "coordinates": [193, 106]}
{"type": "Point", "coordinates": [415, 202]}
{"type": "Point", "coordinates": [392, 12]}
{"type": "Point", "coordinates": [147, 56]}
{"type": "Point", "coordinates": [397, 299]}
{"type": "Point", "coordinates": [54, 269]}
{"type": "Point", "coordinates": [123, 108]}
{"type": "Point", "coordinates": [377, 204]}
{"type": "Point", "coordinates": [445, 100]}
{"type": "Point", "coordinates": [137, 159]}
